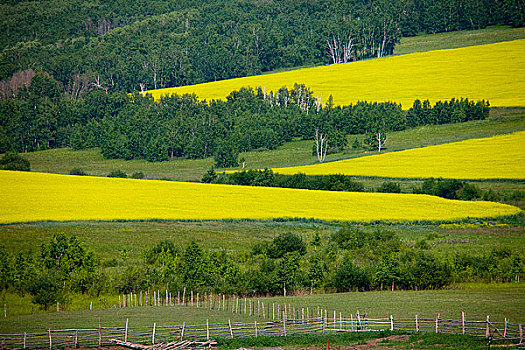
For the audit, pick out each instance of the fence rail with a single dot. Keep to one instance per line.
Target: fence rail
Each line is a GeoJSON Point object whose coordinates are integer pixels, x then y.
{"type": "Point", "coordinates": [285, 326]}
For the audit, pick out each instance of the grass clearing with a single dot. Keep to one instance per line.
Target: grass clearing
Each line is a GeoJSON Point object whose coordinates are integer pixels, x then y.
{"type": "Point", "coordinates": [29, 197]}
{"type": "Point", "coordinates": [492, 72]}
{"type": "Point", "coordinates": [497, 157]}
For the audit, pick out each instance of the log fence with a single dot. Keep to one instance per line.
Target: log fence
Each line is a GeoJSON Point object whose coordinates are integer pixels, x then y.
{"type": "Point", "coordinates": [103, 336]}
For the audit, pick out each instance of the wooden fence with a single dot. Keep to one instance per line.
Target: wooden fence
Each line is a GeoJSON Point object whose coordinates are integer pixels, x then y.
{"type": "Point", "coordinates": [153, 334]}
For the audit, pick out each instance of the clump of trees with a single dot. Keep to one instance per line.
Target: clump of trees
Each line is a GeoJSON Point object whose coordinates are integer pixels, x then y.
{"type": "Point", "coordinates": [14, 161]}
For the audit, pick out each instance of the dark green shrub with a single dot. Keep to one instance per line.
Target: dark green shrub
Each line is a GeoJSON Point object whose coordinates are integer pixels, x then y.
{"type": "Point", "coordinates": [77, 171]}
{"type": "Point", "coordinates": [117, 173]}
{"type": "Point", "coordinates": [286, 243]}
{"type": "Point", "coordinates": [210, 176]}
{"type": "Point", "coordinates": [137, 175]}
{"type": "Point", "coordinates": [389, 187]}
{"type": "Point", "coordinates": [13, 161]}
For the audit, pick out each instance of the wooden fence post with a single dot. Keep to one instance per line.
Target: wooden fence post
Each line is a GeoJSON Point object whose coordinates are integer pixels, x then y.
{"type": "Point", "coordinates": [153, 334]}
{"type": "Point", "coordinates": [182, 330]}
{"type": "Point", "coordinates": [76, 338]}
{"type": "Point", "coordinates": [99, 332]}
{"type": "Point", "coordinates": [25, 336]}
{"type": "Point", "coordinates": [334, 318]}
{"type": "Point", "coordinates": [273, 311]}
{"type": "Point", "coordinates": [126, 332]}
{"type": "Point", "coordinates": [417, 324]}
{"type": "Point", "coordinates": [391, 323]}
{"type": "Point", "coordinates": [230, 327]}
{"type": "Point", "coordinates": [505, 330]}
{"type": "Point", "coordinates": [284, 323]}
{"type": "Point", "coordinates": [50, 340]}
{"type": "Point", "coordinates": [487, 330]}
{"type": "Point", "coordinates": [207, 330]}
{"type": "Point", "coordinates": [521, 334]}
{"type": "Point", "coordinates": [437, 323]}
{"type": "Point", "coordinates": [463, 322]}
{"type": "Point", "coordinates": [340, 321]}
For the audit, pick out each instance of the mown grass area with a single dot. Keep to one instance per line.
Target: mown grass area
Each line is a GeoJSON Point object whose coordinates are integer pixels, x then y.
{"type": "Point", "coordinates": [500, 121]}
{"type": "Point", "coordinates": [477, 301]}
{"type": "Point", "coordinates": [457, 39]}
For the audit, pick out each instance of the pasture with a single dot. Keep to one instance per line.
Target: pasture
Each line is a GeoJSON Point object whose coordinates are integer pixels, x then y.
{"type": "Point", "coordinates": [477, 301]}
{"type": "Point", "coordinates": [30, 197]}
{"type": "Point", "coordinates": [492, 72]}
{"type": "Point", "coordinates": [497, 157]}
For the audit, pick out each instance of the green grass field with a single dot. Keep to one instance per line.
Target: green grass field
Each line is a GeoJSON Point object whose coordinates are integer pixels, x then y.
{"type": "Point", "coordinates": [477, 301]}
{"type": "Point", "coordinates": [111, 240]}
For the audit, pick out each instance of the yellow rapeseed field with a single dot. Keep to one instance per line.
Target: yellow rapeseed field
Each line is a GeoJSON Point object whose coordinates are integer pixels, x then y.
{"type": "Point", "coordinates": [495, 72]}
{"type": "Point", "coordinates": [26, 197]}
{"type": "Point", "coordinates": [497, 157]}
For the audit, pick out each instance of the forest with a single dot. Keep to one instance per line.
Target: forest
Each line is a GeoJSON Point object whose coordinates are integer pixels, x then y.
{"type": "Point", "coordinates": [121, 46]}
{"type": "Point", "coordinates": [136, 127]}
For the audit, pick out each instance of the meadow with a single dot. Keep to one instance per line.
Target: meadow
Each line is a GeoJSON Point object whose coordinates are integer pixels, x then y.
{"type": "Point", "coordinates": [477, 301]}
{"type": "Point", "coordinates": [492, 72]}
{"type": "Point", "coordinates": [497, 157]}
{"type": "Point", "coordinates": [30, 197]}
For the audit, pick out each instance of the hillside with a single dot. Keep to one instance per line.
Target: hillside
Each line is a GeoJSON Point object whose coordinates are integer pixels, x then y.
{"type": "Point", "coordinates": [495, 157]}
{"type": "Point", "coordinates": [492, 72]}
{"type": "Point", "coordinates": [159, 43]}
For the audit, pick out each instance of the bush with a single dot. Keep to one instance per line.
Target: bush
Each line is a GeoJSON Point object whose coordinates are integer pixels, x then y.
{"type": "Point", "coordinates": [210, 176]}
{"type": "Point", "coordinates": [137, 175]}
{"type": "Point", "coordinates": [118, 173]}
{"type": "Point", "coordinates": [77, 171]}
{"type": "Point", "coordinates": [287, 243]}
{"type": "Point", "coordinates": [13, 161]}
{"type": "Point", "coordinates": [389, 187]}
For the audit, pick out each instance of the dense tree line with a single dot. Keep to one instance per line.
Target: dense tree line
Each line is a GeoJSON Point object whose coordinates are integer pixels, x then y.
{"type": "Point", "coordinates": [135, 126]}
{"type": "Point", "coordinates": [132, 46]}
{"type": "Point", "coordinates": [348, 259]}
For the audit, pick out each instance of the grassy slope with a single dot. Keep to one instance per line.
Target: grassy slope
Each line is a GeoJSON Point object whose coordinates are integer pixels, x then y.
{"type": "Point", "coordinates": [500, 121]}
{"type": "Point", "coordinates": [463, 38]}
{"type": "Point", "coordinates": [494, 158]}
{"type": "Point", "coordinates": [110, 239]}
{"type": "Point", "coordinates": [497, 300]}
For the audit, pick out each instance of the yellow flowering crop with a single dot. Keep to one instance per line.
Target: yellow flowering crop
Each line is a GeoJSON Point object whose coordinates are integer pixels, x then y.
{"type": "Point", "coordinates": [495, 72]}
{"type": "Point", "coordinates": [497, 157]}
{"type": "Point", "coordinates": [26, 197]}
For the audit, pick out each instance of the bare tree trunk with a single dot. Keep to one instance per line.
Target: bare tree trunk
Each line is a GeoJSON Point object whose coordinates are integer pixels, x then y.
{"type": "Point", "coordinates": [321, 145]}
